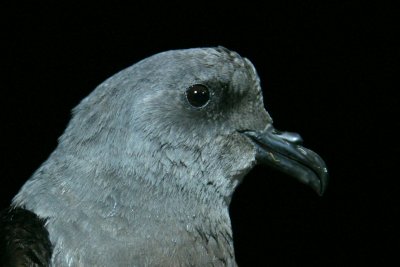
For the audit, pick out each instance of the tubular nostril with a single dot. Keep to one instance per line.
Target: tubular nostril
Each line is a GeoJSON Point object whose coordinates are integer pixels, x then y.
{"type": "Point", "coordinates": [292, 137]}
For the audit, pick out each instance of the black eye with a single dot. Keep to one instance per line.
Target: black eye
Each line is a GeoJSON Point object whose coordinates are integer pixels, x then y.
{"type": "Point", "coordinates": [198, 95]}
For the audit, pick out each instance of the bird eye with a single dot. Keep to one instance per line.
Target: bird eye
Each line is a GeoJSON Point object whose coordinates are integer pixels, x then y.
{"type": "Point", "coordinates": [198, 95]}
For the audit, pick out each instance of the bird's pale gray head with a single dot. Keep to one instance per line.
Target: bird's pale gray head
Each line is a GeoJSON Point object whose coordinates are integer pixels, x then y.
{"type": "Point", "coordinates": [174, 120]}
{"type": "Point", "coordinates": [156, 152]}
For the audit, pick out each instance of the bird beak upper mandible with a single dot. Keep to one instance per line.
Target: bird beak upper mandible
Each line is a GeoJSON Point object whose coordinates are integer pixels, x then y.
{"type": "Point", "coordinates": [284, 151]}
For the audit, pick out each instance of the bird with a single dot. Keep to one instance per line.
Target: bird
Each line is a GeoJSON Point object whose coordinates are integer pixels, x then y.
{"type": "Point", "coordinates": [144, 172]}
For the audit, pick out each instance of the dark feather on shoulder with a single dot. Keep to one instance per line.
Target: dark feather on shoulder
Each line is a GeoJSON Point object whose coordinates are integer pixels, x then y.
{"type": "Point", "coordinates": [24, 241]}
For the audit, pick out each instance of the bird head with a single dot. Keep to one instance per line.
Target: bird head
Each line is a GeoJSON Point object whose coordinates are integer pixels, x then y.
{"type": "Point", "coordinates": [188, 122]}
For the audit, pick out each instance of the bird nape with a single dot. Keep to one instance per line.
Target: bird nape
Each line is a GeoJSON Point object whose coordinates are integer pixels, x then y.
{"type": "Point", "coordinates": [144, 173]}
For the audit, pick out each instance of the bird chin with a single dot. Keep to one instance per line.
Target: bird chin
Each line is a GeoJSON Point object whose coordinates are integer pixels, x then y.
{"type": "Point", "coordinates": [282, 151]}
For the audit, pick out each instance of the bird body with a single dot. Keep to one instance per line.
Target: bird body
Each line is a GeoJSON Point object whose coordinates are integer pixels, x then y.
{"type": "Point", "coordinates": [144, 173]}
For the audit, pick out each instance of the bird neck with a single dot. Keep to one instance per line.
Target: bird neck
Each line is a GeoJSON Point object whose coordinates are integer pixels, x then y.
{"type": "Point", "coordinates": [154, 216]}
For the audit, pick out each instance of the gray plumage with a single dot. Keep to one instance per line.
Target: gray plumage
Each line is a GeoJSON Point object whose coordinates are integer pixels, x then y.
{"type": "Point", "coordinates": [142, 178]}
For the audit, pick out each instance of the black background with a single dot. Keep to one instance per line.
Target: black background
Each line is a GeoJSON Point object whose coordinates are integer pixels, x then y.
{"type": "Point", "coordinates": [326, 72]}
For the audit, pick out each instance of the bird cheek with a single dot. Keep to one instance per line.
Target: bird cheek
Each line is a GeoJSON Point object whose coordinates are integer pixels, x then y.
{"type": "Point", "coordinates": [251, 117]}
{"type": "Point", "coordinates": [259, 119]}
{"type": "Point", "coordinates": [243, 157]}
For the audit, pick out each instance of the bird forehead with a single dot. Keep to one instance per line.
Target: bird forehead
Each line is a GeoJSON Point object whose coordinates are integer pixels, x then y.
{"type": "Point", "coordinates": [210, 55]}
{"type": "Point", "coordinates": [198, 59]}
{"type": "Point", "coordinates": [183, 68]}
